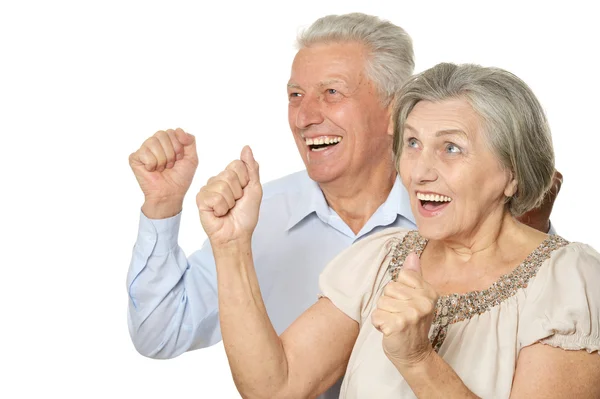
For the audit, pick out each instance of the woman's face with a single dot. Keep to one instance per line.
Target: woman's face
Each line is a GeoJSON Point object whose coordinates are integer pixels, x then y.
{"type": "Point", "coordinates": [457, 186]}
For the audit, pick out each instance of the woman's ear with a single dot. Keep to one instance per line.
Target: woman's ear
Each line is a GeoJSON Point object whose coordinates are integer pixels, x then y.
{"type": "Point", "coordinates": [511, 187]}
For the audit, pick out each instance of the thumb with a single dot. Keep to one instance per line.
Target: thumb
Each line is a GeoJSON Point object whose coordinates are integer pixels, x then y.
{"type": "Point", "coordinates": [248, 158]}
{"type": "Point", "coordinates": [412, 262]}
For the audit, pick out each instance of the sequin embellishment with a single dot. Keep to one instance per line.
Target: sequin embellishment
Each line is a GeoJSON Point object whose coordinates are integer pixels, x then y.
{"type": "Point", "coordinates": [454, 308]}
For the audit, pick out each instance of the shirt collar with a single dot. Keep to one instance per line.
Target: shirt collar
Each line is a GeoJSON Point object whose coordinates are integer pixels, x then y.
{"type": "Point", "coordinates": [310, 199]}
{"type": "Point", "coordinates": [398, 202]}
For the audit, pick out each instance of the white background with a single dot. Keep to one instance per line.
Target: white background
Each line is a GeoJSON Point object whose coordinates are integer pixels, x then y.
{"type": "Point", "coordinates": [82, 84]}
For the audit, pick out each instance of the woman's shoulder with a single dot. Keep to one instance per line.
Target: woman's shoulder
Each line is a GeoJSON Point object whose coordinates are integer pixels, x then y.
{"type": "Point", "coordinates": [559, 264]}
{"type": "Point", "coordinates": [562, 303]}
{"type": "Point", "coordinates": [574, 258]}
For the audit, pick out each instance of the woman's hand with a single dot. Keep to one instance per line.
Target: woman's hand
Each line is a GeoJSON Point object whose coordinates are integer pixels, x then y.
{"type": "Point", "coordinates": [404, 315]}
{"type": "Point", "coordinates": [229, 202]}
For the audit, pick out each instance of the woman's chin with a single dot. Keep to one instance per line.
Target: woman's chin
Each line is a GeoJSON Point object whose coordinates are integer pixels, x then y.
{"type": "Point", "coordinates": [432, 231]}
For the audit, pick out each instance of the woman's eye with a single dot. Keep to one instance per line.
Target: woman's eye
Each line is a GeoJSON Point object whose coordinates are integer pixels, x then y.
{"type": "Point", "coordinates": [412, 142]}
{"type": "Point", "coordinates": [452, 148]}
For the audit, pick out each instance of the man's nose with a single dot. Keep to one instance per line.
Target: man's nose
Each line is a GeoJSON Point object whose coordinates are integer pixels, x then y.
{"type": "Point", "coordinates": [309, 112]}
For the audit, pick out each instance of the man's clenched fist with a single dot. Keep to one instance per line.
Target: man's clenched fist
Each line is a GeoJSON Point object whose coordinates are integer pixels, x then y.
{"type": "Point", "coordinates": [229, 202]}
{"type": "Point", "coordinates": [164, 167]}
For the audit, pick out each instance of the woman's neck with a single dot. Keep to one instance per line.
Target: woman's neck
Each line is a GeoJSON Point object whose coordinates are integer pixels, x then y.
{"type": "Point", "coordinates": [464, 264]}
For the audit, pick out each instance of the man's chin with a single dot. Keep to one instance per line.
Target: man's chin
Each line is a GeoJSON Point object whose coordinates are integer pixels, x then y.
{"type": "Point", "coordinates": [324, 175]}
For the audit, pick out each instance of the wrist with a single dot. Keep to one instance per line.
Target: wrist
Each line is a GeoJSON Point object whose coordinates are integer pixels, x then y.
{"type": "Point", "coordinates": [233, 247]}
{"type": "Point", "coordinates": [418, 365]}
{"type": "Point", "coordinates": [162, 208]}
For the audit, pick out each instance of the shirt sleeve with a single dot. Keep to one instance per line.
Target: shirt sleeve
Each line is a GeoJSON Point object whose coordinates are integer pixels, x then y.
{"type": "Point", "coordinates": [172, 299]}
{"type": "Point", "coordinates": [563, 302]}
{"type": "Point", "coordinates": [351, 280]}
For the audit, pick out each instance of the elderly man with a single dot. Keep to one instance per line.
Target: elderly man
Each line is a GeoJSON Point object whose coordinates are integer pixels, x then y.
{"type": "Point", "coordinates": [341, 93]}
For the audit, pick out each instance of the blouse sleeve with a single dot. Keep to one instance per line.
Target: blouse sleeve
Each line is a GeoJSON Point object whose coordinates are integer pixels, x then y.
{"type": "Point", "coordinates": [563, 302]}
{"type": "Point", "coordinates": [352, 278]}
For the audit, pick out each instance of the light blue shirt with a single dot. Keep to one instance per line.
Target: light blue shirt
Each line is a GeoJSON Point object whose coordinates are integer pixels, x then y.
{"type": "Point", "coordinates": [173, 299]}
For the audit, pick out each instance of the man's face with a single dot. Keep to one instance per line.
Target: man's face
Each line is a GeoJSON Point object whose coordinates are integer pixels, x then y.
{"type": "Point", "coordinates": [340, 126]}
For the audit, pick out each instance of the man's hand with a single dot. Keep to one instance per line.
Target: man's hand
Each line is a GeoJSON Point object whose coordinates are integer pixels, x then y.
{"type": "Point", "coordinates": [539, 218]}
{"type": "Point", "coordinates": [164, 167]}
{"type": "Point", "coordinates": [229, 202]}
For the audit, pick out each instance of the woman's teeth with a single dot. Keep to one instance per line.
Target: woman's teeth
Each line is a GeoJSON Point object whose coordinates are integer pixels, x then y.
{"type": "Point", "coordinates": [433, 197]}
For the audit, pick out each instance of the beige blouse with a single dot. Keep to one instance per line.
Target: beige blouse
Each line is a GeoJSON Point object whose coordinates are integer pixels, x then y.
{"type": "Point", "coordinates": [553, 297]}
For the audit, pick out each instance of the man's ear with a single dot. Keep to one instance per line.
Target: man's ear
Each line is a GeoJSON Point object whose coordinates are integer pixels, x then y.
{"type": "Point", "coordinates": [390, 112]}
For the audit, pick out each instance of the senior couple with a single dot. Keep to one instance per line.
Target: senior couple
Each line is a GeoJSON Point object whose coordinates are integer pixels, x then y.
{"type": "Point", "coordinates": [411, 257]}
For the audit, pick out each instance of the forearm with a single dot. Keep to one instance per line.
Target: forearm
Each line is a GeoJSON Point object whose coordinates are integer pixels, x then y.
{"type": "Point", "coordinates": [157, 307]}
{"type": "Point", "coordinates": [172, 301]}
{"type": "Point", "coordinates": [255, 352]}
{"type": "Point", "coordinates": [434, 378]}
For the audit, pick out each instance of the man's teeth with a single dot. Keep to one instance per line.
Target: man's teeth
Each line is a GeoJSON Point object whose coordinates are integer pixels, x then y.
{"type": "Point", "coordinates": [323, 140]}
{"type": "Point", "coordinates": [433, 197]}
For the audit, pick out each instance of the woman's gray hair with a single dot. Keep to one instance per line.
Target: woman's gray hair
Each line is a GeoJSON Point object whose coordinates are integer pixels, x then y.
{"type": "Point", "coordinates": [514, 123]}
{"type": "Point", "coordinates": [392, 58]}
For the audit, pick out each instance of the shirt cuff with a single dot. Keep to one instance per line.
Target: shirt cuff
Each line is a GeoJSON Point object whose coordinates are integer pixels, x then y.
{"type": "Point", "coordinates": [161, 234]}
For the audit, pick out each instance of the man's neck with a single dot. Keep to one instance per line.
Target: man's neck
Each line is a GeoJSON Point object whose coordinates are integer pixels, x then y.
{"type": "Point", "coordinates": [356, 200]}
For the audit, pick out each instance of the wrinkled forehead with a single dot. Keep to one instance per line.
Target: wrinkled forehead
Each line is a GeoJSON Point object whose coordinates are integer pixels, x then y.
{"type": "Point", "coordinates": [435, 117]}
{"type": "Point", "coordinates": [325, 61]}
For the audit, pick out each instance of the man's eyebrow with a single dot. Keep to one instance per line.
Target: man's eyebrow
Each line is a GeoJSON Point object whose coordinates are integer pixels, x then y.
{"type": "Point", "coordinates": [332, 81]}
{"type": "Point", "coordinates": [321, 84]}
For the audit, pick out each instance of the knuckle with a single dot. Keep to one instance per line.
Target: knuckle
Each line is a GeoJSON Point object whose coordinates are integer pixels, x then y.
{"type": "Point", "coordinates": [376, 315]}
{"type": "Point", "coordinates": [220, 185]}
{"type": "Point", "coordinates": [161, 134]}
{"type": "Point", "coordinates": [201, 197]}
{"type": "Point", "coordinates": [401, 322]}
{"type": "Point", "coordinates": [229, 175]}
{"type": "Point", "coordinates": [412, 316]}
{"type": "Point", "coordinates": [153, 140]}
{"type": "Point", "coordinates": [377, 320]}
{"type": "Point", "coordinates": [389, 289]}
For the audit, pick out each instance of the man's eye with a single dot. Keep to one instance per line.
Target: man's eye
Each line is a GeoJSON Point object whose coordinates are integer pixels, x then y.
{"type": "Point", "coordinates": [452, 148]}
{"type": "Point", "coordinates": [294, 95]}
{"type": "Point", "coordinates": [332, 91]}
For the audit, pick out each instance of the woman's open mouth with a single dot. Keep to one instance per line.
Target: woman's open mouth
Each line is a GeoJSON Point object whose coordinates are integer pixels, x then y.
{"type": "Point", "coordinates": [431, 203]}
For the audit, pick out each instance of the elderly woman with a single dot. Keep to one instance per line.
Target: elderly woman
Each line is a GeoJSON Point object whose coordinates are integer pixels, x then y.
{"type": "Point", "coordinates": [473, 304]}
